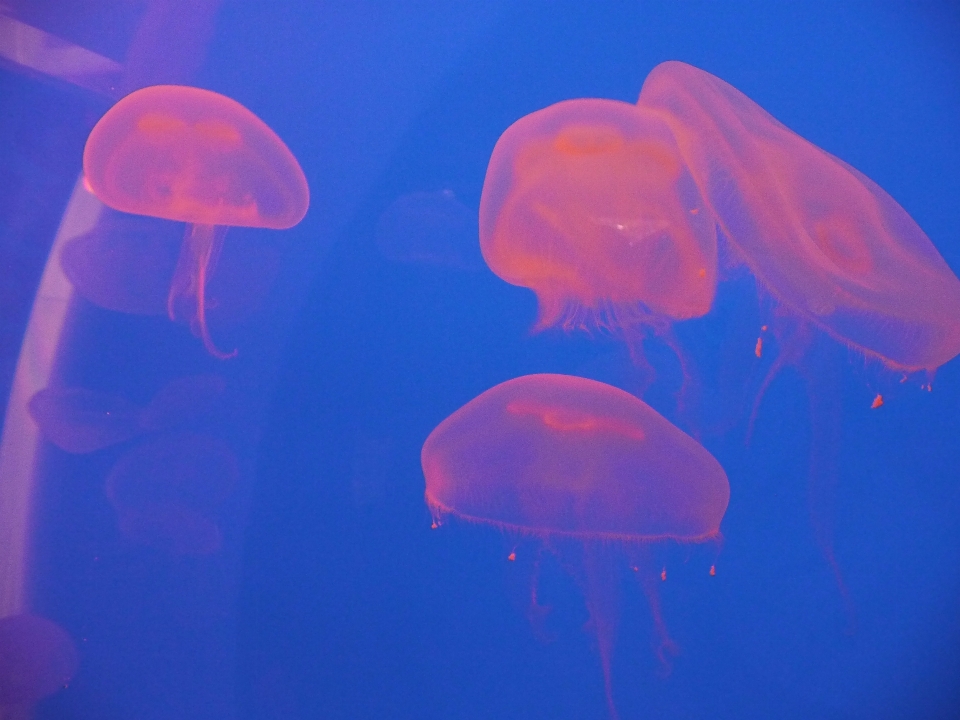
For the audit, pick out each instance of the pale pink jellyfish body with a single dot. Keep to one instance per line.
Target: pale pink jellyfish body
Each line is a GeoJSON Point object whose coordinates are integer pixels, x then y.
{"type": "Point", "coordinates": [570, 460]}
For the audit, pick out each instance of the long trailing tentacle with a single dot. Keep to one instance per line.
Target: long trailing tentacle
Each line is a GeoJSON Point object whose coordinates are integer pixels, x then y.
{"type": "Point", "coordinates": [821, 374]}
{"type": "Point", "coordinates": [198, 258]}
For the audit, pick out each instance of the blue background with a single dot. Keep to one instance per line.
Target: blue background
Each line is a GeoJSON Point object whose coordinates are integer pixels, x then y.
{"type": "Point", "coordinates": [341, 602]}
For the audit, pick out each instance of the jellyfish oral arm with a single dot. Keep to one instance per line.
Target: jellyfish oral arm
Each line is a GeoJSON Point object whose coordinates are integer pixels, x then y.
{"type": "Point", "coordinates": [198, 259]}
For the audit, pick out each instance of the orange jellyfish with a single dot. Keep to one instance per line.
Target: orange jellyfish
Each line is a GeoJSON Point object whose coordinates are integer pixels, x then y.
{"type": "Point", "coordinates": [194, 156]}
{"type": "Point", "coordinates": [822, 238]}
{"type": "Point", "coordinates": [589, 204]}
{"type": "Point", "coordinates": [589, 470]}
{"type": "Point", "coordinates": [847, 267]}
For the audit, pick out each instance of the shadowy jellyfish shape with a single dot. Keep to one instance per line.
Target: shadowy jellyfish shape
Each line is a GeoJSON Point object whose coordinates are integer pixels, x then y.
{"type": "Point", "coordinates": [82, 421]}
{"type": "Point", "coordinates": [191, 155]}
{"type": "Point", "coordinates": [167, 490]}
{"type": "Point", "coordinates": [79, 420]}
{"type": "Point", "coordinates": [126, 264]}
{"type": "Point", "coordinates": [589, 204]}
{"type": "Point", "coordinates": [821, 237]}
{"type": "Point", "coordinates": [37, 658]}
{"type": "Point", "coordinates": [846, 265]}
{"type": "Point", "coordinates": [581, 465]}
{"type": "Point", "coordinates": [430, 228]}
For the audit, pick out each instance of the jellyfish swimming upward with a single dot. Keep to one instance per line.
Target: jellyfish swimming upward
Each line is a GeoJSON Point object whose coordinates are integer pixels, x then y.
{"type": "Point", "coordinates": [194, 156]}
{"type": "Point", "coordinates": [589, 204]}
{"type": "Point", "coordinates": [587, 469]}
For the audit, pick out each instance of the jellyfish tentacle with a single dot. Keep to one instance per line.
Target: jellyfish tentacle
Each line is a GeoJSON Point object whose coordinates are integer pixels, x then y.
{"type": "Point", "coordinates": [601, 590]}
{"type": "Point", "coordinates": [537, 612]}
{"type": "Point", "coordinates": [198, 259]}
{"type": "Point", "coordinates": [822, 379]}
{"type": "Point", "coordinates": [666, 648]}
{"type": "Point", "coordinates": [794, 340]}
{"type": "Point", "coordinates": [206, 262]}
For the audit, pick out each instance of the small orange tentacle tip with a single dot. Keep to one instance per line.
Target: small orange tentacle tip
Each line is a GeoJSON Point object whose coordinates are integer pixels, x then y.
{"type": "Point", "coordinates": [512, 556]}
{"type": "Point", "coordinates": [713, 571]}
{"type": "Point", "coordinates": [663, 574]}
{"type": "Point", "coordinates": [434, 525]}
{"type": "Point", "coordinates": [877, 402]}
{"type": "Point", "coordinates": [758, 350]}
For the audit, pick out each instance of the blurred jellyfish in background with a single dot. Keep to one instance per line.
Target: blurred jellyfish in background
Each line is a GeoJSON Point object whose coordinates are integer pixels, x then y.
{"type": "Point", "coordinates": [37, 658]}
{"type": "Point", "coordinates": [79, 420]}
{"type": "Point", "coordinates": [194, 156]}
{"type": "Point", "coordinates": [430, 228]}
{"type": "Point", "coordinates": [126, 264]}
{"type": "Point", "coordinates": [588, 470]}
{"type": "Point", "coordinates": [167, 491]}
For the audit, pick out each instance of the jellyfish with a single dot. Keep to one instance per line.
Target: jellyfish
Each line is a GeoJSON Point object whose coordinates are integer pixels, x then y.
{"type": "Point", "coordinates": [80, 420]}
{"type": "Point", "coordinates": [430, 228]}
{"type": "Point", "coordinates": [846, 267]}
{"type": "Point", "coordinates": [168, 490]}
{"type": "Point", "coordinates": [37, 658]}
{"type": "Point", "coordinates": [588, 470]}
{"type": "Point", "coordinates": [588, 203]}
{"type": "Point", "coordinates": [194, 156]}
{"type": "Point", "coordinates": [831, 247]}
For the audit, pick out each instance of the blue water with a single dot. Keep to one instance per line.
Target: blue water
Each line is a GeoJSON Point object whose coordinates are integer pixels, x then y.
{"type": "Point", "coordinates": [332, 597]}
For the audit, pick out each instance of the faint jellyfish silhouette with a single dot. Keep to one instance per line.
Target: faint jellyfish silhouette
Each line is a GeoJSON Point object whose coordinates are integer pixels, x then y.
{"type": "Point", "coordinates": [168, 490]}
{"type": "Point", "coordinates": [80, 420]}
{"type": "Point", "coordinates": [588, 203]}
{"type": "Point", "coordinates": [37, 658]}
{"type": "Point", "coordinates": [847, 268]}
{"type": "Point", "coordinates": [588, 470]}
{"type": "Point", "coordinates": [188, 400]}
{"type": "Point", "coordinates": [126, 264]}
{"type": "Point", "coordinates": [191, 155]}
{"type": "Point", "coordinates": [430, 228]}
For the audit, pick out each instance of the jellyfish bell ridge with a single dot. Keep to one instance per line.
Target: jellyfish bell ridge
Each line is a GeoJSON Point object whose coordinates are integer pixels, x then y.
{"type": "Point", "coordinates": [588, 203]}
{"type": "Point", "coordinates": [557, 455]}
{"type": "Point", "coordinates": [192, 155]}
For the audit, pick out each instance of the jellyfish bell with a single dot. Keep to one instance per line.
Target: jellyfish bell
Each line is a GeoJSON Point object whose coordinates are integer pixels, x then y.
{"type": "Point", "coordinates": [588, 203]}
{"type": "Point", "coordinates": [167, 492]}
{"type": "Point", "coordinates": [79, 420]}
{"type": "Point", "coordinates": [822, 238]}
{"type": "Point", "coordinates": [430, 228]}
{"type": "Point", "coordinates": [194, 156]}
{"type": "Point", "coordinates": [575, 463]}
